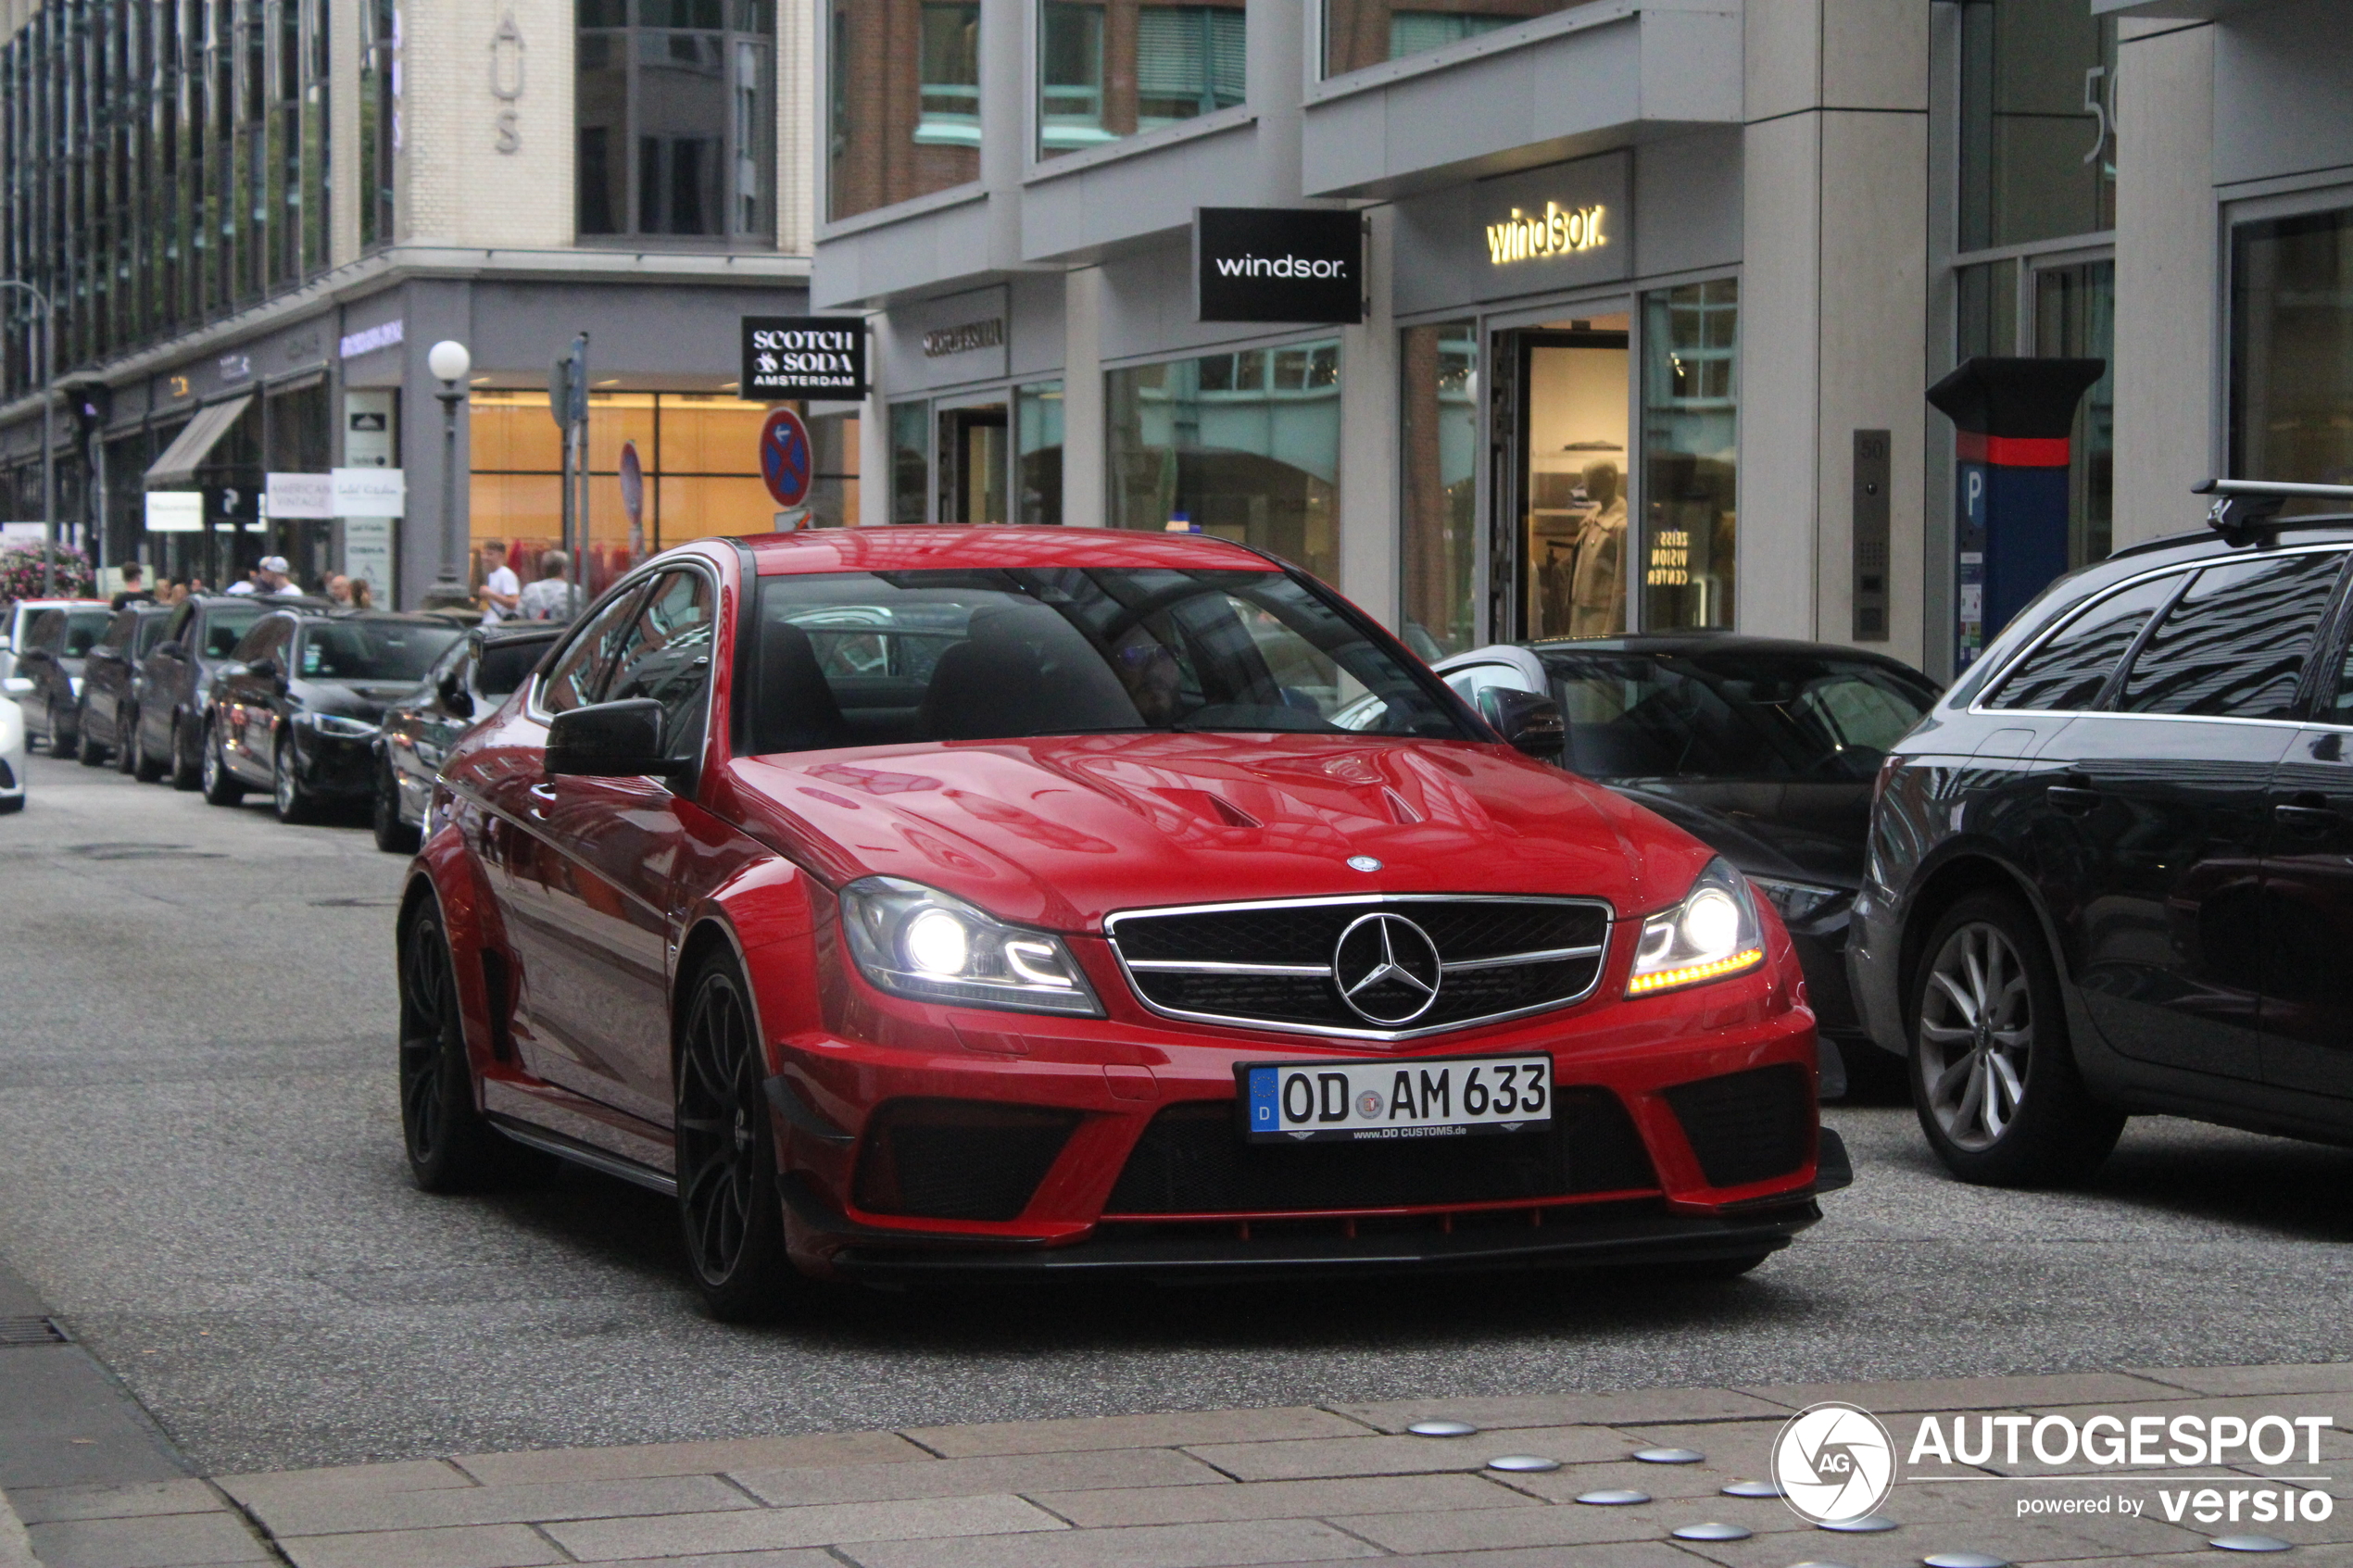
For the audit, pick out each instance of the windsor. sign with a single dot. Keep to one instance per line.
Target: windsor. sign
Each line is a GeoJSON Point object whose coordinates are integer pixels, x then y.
{"type": "Point", "coordinates": [1278, 264]}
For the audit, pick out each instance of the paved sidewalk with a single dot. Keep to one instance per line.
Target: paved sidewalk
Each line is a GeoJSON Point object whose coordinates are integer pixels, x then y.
{"type": "Point", "coordinates": [1230, 1487]}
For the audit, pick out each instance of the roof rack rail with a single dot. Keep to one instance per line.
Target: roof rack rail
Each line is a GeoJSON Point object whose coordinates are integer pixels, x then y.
{"type": "Point", "coordinates": [2246, 511]}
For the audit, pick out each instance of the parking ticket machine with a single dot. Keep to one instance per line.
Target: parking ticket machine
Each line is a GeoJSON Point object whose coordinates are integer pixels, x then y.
{"type": "Point", "coordinates": [2015, 418]}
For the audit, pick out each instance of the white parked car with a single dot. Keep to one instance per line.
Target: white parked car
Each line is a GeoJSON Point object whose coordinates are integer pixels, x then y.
{"type": "Point", "coordinates": [11, 757]}
{"type": "Point", "coordinates": [16, 615]}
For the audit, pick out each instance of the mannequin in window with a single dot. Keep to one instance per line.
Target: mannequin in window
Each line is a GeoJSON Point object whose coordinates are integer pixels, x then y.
{"type": "Point", "coordinates": [1600, 610]}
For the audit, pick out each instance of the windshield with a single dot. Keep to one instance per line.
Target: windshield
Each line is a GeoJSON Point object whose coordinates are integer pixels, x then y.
{"type": "Point", "coordinates": [1732, 715]}
{"type": "Point", "coordinates": [504, 665]}
{"type": "Point", "coordinates": [226, 626]}
{"type": "Point", "coordinates": [873, 658]}
{"type": "Point", "coordinates": [84, 630]}
{"type": "Point", "coordinates": [371, 650]}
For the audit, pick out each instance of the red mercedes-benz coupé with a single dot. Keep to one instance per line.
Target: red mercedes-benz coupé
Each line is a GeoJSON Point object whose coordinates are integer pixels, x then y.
{"type": "Point", "coordinates": [917, 901]}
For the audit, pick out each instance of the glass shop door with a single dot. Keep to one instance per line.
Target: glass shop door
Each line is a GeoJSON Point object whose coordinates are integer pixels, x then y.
{"type": "Point", "coordinates": [1560, 567]}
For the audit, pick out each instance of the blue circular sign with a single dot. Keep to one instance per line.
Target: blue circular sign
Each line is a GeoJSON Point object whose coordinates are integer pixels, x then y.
{"type": "Point", "coordinates": [785, 460]}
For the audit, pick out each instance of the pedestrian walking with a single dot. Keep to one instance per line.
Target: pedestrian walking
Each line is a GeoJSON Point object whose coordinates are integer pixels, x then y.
{"type": "Point", "coordinates": [134, 588]}
{"type": "Point", "coordinates": [549, 599]}
{"type": "Point", "coordinates": [501, 589]}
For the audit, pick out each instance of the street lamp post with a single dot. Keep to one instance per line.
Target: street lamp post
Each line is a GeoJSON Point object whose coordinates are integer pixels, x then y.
{"type": "Point", "coordinates": [48, 436]}
{"type": "Point", "coordinates": [449, 361]}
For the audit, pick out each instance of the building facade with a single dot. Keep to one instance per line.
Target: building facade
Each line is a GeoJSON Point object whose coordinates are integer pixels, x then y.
{"type": "Point", "coordinates": [1654, 288]}
{"type": "Point", "coordinates": [255, 217]}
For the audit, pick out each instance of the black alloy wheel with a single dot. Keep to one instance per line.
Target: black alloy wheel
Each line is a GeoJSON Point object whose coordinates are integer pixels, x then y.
{"type": "Point", "coordinates": [728, 1203]}
{"type": "Point", "coordinates": [187, 755]}
{"type": "Point", "coordinates": [450, 1146]}
{"type": "Point", "coordinates": [1995, 1082]}
{"type": "Point", "coordinates": [126, 740]}
{"type": "Point", "coordinates": [220, 785]}
{"type": "Point", "coordinates": [86, 749]}
{"type": "Point", "coordinates": [392, 836]}
{"type": "Point", "coordinates": [293, 803]}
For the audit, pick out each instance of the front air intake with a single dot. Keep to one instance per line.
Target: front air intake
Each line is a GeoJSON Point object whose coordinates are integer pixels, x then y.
{"type": "Point", "coordinates": [958, 1159]}
{"type": "Point", "coordinates": [1747, 1126]}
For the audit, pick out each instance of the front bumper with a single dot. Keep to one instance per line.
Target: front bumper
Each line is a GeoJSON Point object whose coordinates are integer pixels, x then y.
{"type": "Point", "coordinates": [334, 767]}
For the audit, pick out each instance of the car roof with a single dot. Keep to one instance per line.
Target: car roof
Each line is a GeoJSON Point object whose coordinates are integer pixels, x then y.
{"type": "Point", "coordinates": [914, 547]}
{"type": "Point", "coordinates": [527, 631]}
{"type": "Point", "coordinates": [1671, 643]}
{"type": "Point", "coordinates": [321, 613]}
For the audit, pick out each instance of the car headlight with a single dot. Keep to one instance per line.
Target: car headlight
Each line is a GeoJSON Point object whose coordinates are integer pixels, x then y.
{"type": "Point", "coordinates": [1712, 933]}
{"type": "Point", "coordinates": [339, 726]}
{"type": "Point", "coordinates": [1799, 901]}
{"type": "Point", "coordinates": [914, 941]}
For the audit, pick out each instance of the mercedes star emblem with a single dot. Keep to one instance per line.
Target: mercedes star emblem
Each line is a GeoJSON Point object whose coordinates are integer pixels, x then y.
{"type": "Point", "coordinates": [1387, 969]}
{"type": "Point", "coordinates": [1363, 863]}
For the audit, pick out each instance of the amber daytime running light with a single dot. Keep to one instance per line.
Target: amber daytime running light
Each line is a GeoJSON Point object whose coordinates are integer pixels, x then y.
{"type": "Point", "coordinates": [1712, 933]}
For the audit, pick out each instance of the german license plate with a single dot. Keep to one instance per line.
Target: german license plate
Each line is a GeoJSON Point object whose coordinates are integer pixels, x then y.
{"type": "Point", "coordinates": [1306, 1102]}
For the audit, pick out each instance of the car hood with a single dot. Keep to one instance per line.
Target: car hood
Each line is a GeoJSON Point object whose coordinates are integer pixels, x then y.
{"type": "Point", "coordinates": [1059, 832]}
{"type": "Point", "coordinates": [1808, 832]}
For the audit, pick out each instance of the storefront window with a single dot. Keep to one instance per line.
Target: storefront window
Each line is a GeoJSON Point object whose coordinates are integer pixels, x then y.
{"type": "Point", "coordinates": [833, 493]}
{"type": "Point", "coordinates": [1573, 396]}
{"type": "Point", "coordinates": [1038, 465]}
{"type": "Point", "coordinates": [905, 117]}
{"type": "Point", "coordinates": [909, 461]}
{"type": "Point", "coordinates": [972, 452]}
{"type": "Point", "coordinates": [1364, 32]}
{"type": "Point", "coordinates": [2292, 351]}
{"type": "Point", "coordinates": [676, 105]}
{"type": "Point", "coordinates": [1109, 69]}
{"type": "Point", "coordinates": [1245, 446]}
{"type": "Point", "coordinates": [2038, 116]}
{"type": "Point", "coordinates": [1691, 400]}
{"type": "Point", "coordinates": [2075, 319]}
{"type": "Point", "coordinates": [1439, 435]}
{"type": "Point", "coordinates": [663, 468]}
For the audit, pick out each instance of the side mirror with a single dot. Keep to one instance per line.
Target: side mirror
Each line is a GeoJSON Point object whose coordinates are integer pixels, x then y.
{"type": "Point", "coordinates": [611, 740]}
{"type": "Point", "coordinates": [15, 685]}
{"type": "Point", "coordinates": [171, 650]}
{"type": "Point", "coordinates": [455, 699]}
{"type": "Point", "coordinates": [1526, 721]}
{"type": "Point", "coordinates": [263, 669]}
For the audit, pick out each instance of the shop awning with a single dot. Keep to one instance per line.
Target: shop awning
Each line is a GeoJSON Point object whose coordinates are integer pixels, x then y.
{"type": "Point", "coordinates": [176, 470]}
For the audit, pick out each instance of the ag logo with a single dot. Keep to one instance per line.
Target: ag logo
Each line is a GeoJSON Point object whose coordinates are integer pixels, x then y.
{"type": "Point", "coordinates": [1835, 1462]}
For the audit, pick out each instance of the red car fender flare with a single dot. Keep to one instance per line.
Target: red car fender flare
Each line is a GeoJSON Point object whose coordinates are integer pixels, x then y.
{"type": "Point", "coordinates": [444, 872]}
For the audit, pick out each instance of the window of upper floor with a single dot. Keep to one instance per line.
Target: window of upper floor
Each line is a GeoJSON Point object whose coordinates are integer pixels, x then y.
{"type": "Point", "coordinates": [1358, 33]}
{"type": "Point", "coordinates": [1114, 69]}
{"type": "Point", "coordinates": [903, 101]}
{"type": "Point", "coordinates": [675, 115]}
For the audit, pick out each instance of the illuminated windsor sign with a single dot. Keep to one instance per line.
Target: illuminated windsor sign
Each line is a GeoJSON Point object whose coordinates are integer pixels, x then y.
{"type": "Point", "coordinates": [1557, 231]}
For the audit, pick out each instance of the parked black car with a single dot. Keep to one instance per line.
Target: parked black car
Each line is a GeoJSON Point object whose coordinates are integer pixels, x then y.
{"type": "Point", "coordinates": [1765, 748]}
{"type": "Point", "coordinates": [296, 707]}
{"type": "Point", "coordinates": [111, 681]}
{"type": "Point", "coordinates": [56, 646]}
{"type": "Point", "coordinates": [467, 682]}
{"type": "Point", "coordinates": [177, 677]}
{"type": "Point", "coordinates": [2112, 872]}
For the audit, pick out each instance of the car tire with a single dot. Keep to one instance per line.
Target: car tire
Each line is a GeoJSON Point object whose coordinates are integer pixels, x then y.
{"type": "Point", "coordinates": [187, 757]}
{"type": "Point", "coordinates": [293, 803]}
{"type": "Point", "coordinates": [451, 1147]}
{"type": "Point", "coordinates": [220, 786]}
{"type": "Point", "coordinates": [1994, 1081]}
{"type": "Point", "coordinates": [86, 749]}
{"type": "Point", "coordinates": [126, 741]}
{"type": "Point", "coordinates": [11, 803]}
{"type": "Point", "coordinates": [392, 836]}
{"type": "Point", "coordinates": [728, 1204]}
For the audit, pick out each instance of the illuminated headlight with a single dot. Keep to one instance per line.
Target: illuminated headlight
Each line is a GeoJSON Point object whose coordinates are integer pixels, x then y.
{"type": "Point", "coordinates": [1799, 901]}
{"type": "Point", "coordinates": [918, 943]}
{"type": "Point", "coordinates": [340, 727]}
{"type": "Point", "coordinates": [1711, 934]}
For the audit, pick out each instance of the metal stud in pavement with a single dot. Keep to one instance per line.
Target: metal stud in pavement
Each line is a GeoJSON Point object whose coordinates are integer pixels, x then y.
{"type": "Point", "coordinates": [1529, 1463]}
{"type": "Point", "coordinates": [1869, 1524]}
{"type": "Point", "coordinates": [2249, 1543]}
{"type": "Point", "coordinates": [1753, 1489]}
{"type": "Point", "coordinates": [1964, 1559]}
{"type": "Point", "coordinates": [1613, 1497]}
{"type": "Point", "coordinates": [1710, 1531]}
{"type": "Point", "coordinates": [1670, 1456]}
{"type": "Point", "coordinates": [1442, 1429]}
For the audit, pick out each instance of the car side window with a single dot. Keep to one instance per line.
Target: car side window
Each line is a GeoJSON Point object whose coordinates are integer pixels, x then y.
{"type": "Point", "coordinates": [179, 624]}
{"type": "Point", "coordinates": [579, 674]}
{"type": "Point", "coordinates": [265, 638]}
{"type": "Point", "coordinates": [2235, 643]}
{"type": "Point", "coordinates": [667, 657]}
{"type": "Point", "coordinates": [45, 628]}
{"type": "Point", "coordinates": [2071, 667]}
{"type": "Point", "coordinates": [121, 630]}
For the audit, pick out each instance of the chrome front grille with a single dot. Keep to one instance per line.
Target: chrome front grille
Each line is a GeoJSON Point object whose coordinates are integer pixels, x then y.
{"type": "Point", "coordinates": [1384, 967]}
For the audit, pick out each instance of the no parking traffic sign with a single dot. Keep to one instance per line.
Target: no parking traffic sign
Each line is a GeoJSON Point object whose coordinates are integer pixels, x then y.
{"type": "Point", "coordinates": [787, 462]}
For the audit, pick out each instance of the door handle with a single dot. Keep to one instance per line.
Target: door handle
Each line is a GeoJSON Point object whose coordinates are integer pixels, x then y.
{"type": "Point", "coordinates": [545, 795]}
{"type": "Point", "coordinates": [2074, 799]}
{"type": "Point", "coordinates": [2306, 816]}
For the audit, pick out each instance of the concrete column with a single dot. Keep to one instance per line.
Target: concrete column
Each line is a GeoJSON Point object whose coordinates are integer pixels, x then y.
{"type": "Point", "coordinates": [2168, 382]}
{"type": "Point", "coordinates": [343, 135]}
{"type": "Point", "coordinates": [874, 433]}
{"type": "Point", "coordinates": [1084, 430]}
{"type": "Point", "coordinates": [1369, 544]}
{"type": "Point", "coordinates": [1833, 308]}
{"type": "Point", "coordinates": [799, 142]}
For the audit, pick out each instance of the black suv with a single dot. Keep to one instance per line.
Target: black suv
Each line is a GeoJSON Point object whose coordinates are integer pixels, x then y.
{"type": "Point", "coordinates": [2112, 871]}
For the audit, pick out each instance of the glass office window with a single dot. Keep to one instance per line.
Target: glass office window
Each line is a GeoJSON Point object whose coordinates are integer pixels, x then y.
{"type": "Point", "coordinates": [2292, 350]}
{"type": "Point", "coordinates": [1038, 453]}
{"type": "Point", "coordinates": [1243, 444]}
{"type": "Point", "coordinates": [1109, 69]}
{"type": "Point", "coordinates": [1691, 431]}
{"type": "Point", "coordinates": [1366, 32]}
{"type": "Point", "coordinates": [2038, 101]}
{"type": "Point", "coordinates": [903, 113]}
{"type": "Point", "coordinates": [378, 118]}
{"type": "Point", "coordinates": [1438, 442]}
{"type": "Point", "coordinates": [675, 103]}
{"type": "Point", "coordinates": [2075, 319]}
